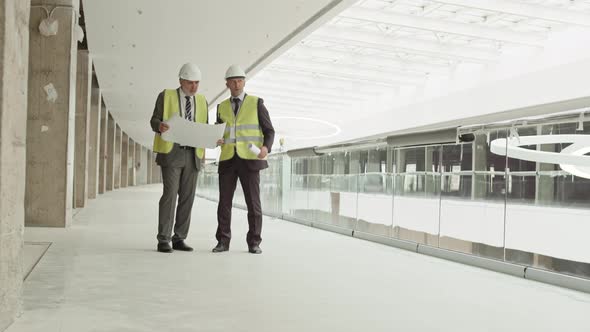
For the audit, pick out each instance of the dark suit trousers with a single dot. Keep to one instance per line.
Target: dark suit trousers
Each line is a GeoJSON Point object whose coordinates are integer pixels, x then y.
{"type": "Point", "coordinates": [180, 180]}
{"type": "Point", "coordinates": [250, 181]}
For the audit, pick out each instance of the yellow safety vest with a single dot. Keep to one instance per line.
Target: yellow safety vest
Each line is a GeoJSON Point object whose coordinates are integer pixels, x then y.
{"type": "Point", "coordinates": [171, 107]}
{"type": "Point", "coordinates": [240, 130]}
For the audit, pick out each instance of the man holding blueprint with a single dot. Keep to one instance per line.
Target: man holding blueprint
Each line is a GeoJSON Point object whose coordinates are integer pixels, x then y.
{"type": "Point", "coordinates": [181, 133]}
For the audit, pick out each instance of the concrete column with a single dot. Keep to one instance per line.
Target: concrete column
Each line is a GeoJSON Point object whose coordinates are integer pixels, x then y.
{"type": "Point", "coordinates": [117, 170]}
{"type": "Point", "coordinates": [142, 166]}
{"type": "Point", "coordinates": [51, 118]}
{"type": "Point", "coordinates": [432, 159]}
{"type": "Point", "coordinates": [374, 161]}
{"type": "Point", "coordinates": [390, 168]}
{"type": "Point", "coordinates": [150, 167]}
{"type": "Point", "coordinates": [355, 168]}
{"type": "Point", "coordinates": [110, 165]}
{"type": "Point", "coordinates": [94, 140]}
{"type": "Point", "coordinates": [390, 160]}
{"type": "Point", "coordinates": [14, 46]}
{"type": "Point", "coordinates": [131, 163]}
{"type": "Point", "coordinates": [83, 89]}
{"type": "Point", "coordinates": [136, 163]}
{"type": "Point", "coordinates": [103, 153]}
{"type": "Point", "coordinates": [480, 159]}
{"type": "Point", "coordinates": [124, 160]}
{"type": "Point", "coordinates": [400, 159]}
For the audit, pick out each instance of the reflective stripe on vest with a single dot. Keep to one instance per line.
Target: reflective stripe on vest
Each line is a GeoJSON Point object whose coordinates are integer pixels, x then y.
{"type": "Point", "coordinates": [171, 107]}
{"type": "Point", "coordinates": [242, 130]}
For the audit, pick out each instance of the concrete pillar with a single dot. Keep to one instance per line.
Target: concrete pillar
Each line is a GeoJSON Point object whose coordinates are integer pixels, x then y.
{"type": "Point", "coordinates": [94, 140]}
{"type": "Point", "coordinates": [150, 167]}
{"type": "Point", "coordinates": [480, 159]}
{"type": "Point", "coordinates": [355, 168]}
{"type": "Point", "coordinates": [110, 165]}
{"type": "Point", "coordinates": [390, 168]}
{"type": "Point", "coordinates": [51, 118]}
{"type": "Point", "coordinates": [374, 161]}
{"type": "Point", "coordinates": [136, 163]}
{"type": "Point", "coordinates": [83, 89]}
{"type": "Point", "coordinates": [142, 167]}
{"type": "Point", "coordinates": [14, 43]}
{"type": "Point", "coordinates": [124, 160]}
{"type": "Point", "coordinates": [103, 153]}
{"type": "Point", "coordinates": [117, 157]}
{"type": "Point", "coordinates": [400, 162]}
{"type": "Point", "coordinates": [131, 163]}
{"type": "Point", "coordinates": [432, 158]}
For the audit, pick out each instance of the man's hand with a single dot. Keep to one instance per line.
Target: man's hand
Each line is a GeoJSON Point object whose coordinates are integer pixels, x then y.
{"type": "Point", "coordinates": [263, 152]}
{"type": "Point", "coordinates": [220, 141]}
{"type": "Point", "coordinates": [163, 127]}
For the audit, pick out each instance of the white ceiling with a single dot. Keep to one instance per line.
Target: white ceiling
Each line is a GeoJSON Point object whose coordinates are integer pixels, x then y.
{"type": "Point", "coordinates": [320, 84]}
{"type": "Point", "coordinates": [138, 46]}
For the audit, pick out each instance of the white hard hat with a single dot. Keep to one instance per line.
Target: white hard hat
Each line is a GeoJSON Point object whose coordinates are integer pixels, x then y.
{"type": "Point", "coordinates": [235, 71]}
{"type": "Point", "coordinates": [190, 72]}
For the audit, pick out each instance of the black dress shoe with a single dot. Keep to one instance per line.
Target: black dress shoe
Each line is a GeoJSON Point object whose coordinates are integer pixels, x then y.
{"type": "Point", "coordinates": [180, 245]}
{"type": "Point", "coordinates": [220, 247]}
{"type": "Point", "coordinates": [164, 247]}
{"type": "Point", "coordinates": [255, 250]}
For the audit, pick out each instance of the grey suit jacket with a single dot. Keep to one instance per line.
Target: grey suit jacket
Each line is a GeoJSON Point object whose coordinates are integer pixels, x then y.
{"type": "Point", "coordinates": [175, 158]}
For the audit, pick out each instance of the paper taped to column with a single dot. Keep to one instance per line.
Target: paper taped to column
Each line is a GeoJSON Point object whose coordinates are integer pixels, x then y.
{"type": "Point", "coordinates": [193, 134]}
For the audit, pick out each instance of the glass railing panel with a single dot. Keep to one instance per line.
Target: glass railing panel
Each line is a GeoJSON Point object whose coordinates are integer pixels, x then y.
{"type": "Point", "coordinates": [375, 192]}
{"type": "Point", "coordinates": [375, 204]}
{"type": "Point", "coordinates": [298, 200]}
{"type": "Point", "coordinates": [207, 182]}
{"type": "Point", "coordinates": [271, 191]}
{"type": "Point", "coordinates": [472, 201]}
{"type": "Point", "coordinates": [416, 201]}
{"type": "Point", "coordinates": [548, 210]}
{"type": "Point", "coordinates": [339, 201]}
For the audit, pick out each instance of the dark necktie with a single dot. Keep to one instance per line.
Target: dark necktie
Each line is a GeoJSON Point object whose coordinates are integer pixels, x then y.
{"type": "Point", "coordinates": [188, 114]}
{"type": "Point", "coordinates": [236, 105]}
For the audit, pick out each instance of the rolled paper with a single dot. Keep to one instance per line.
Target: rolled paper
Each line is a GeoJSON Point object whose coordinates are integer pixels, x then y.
{"type": "Point", "coordinates": [254, 149]}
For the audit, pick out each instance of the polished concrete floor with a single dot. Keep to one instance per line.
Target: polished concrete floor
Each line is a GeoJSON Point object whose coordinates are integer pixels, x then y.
{"type": "Point", "coordinates": [103, 274]}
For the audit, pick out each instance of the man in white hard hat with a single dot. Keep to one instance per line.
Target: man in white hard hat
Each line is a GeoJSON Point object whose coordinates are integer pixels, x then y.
{"type": "Point", "coordinates": [180, 164]}
{"type": "Point", "coordinates": [248, 129]}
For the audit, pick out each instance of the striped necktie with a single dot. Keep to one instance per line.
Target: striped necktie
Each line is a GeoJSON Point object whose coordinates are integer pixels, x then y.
{"type": "Point", "coordinates": [188, 114]}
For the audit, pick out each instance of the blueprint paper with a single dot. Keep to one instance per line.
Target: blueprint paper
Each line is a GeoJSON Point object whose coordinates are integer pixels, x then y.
{"type": "Point", "coordinates": [188, 133]}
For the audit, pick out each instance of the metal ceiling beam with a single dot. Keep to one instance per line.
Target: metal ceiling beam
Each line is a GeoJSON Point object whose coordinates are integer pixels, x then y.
{"type": "Point", "coordinates": [383, 42]}
{"type": "Point", "coordinates": [281, 110]}
{"type": "Point", "coordinates": [329, 11]}
{"type": "Point", "coordinates": [315, 96]}
{"type": "Point", "coordinates": [353, 72]}
{"type": "Point", "coordinates": [301, 99]}
{"type": "Point", "coordinates": [394, 63]}
{"type": "Point", "coordinates": [330, 92]}
{"type": "Point", "coordinates": [302, 103]}
{"type": "Point", "coordinates": [524, 9]}
{"type": "Point", "coordinates": [306, 78]}
{"type": "Point", "coordinates": [438, 25]}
